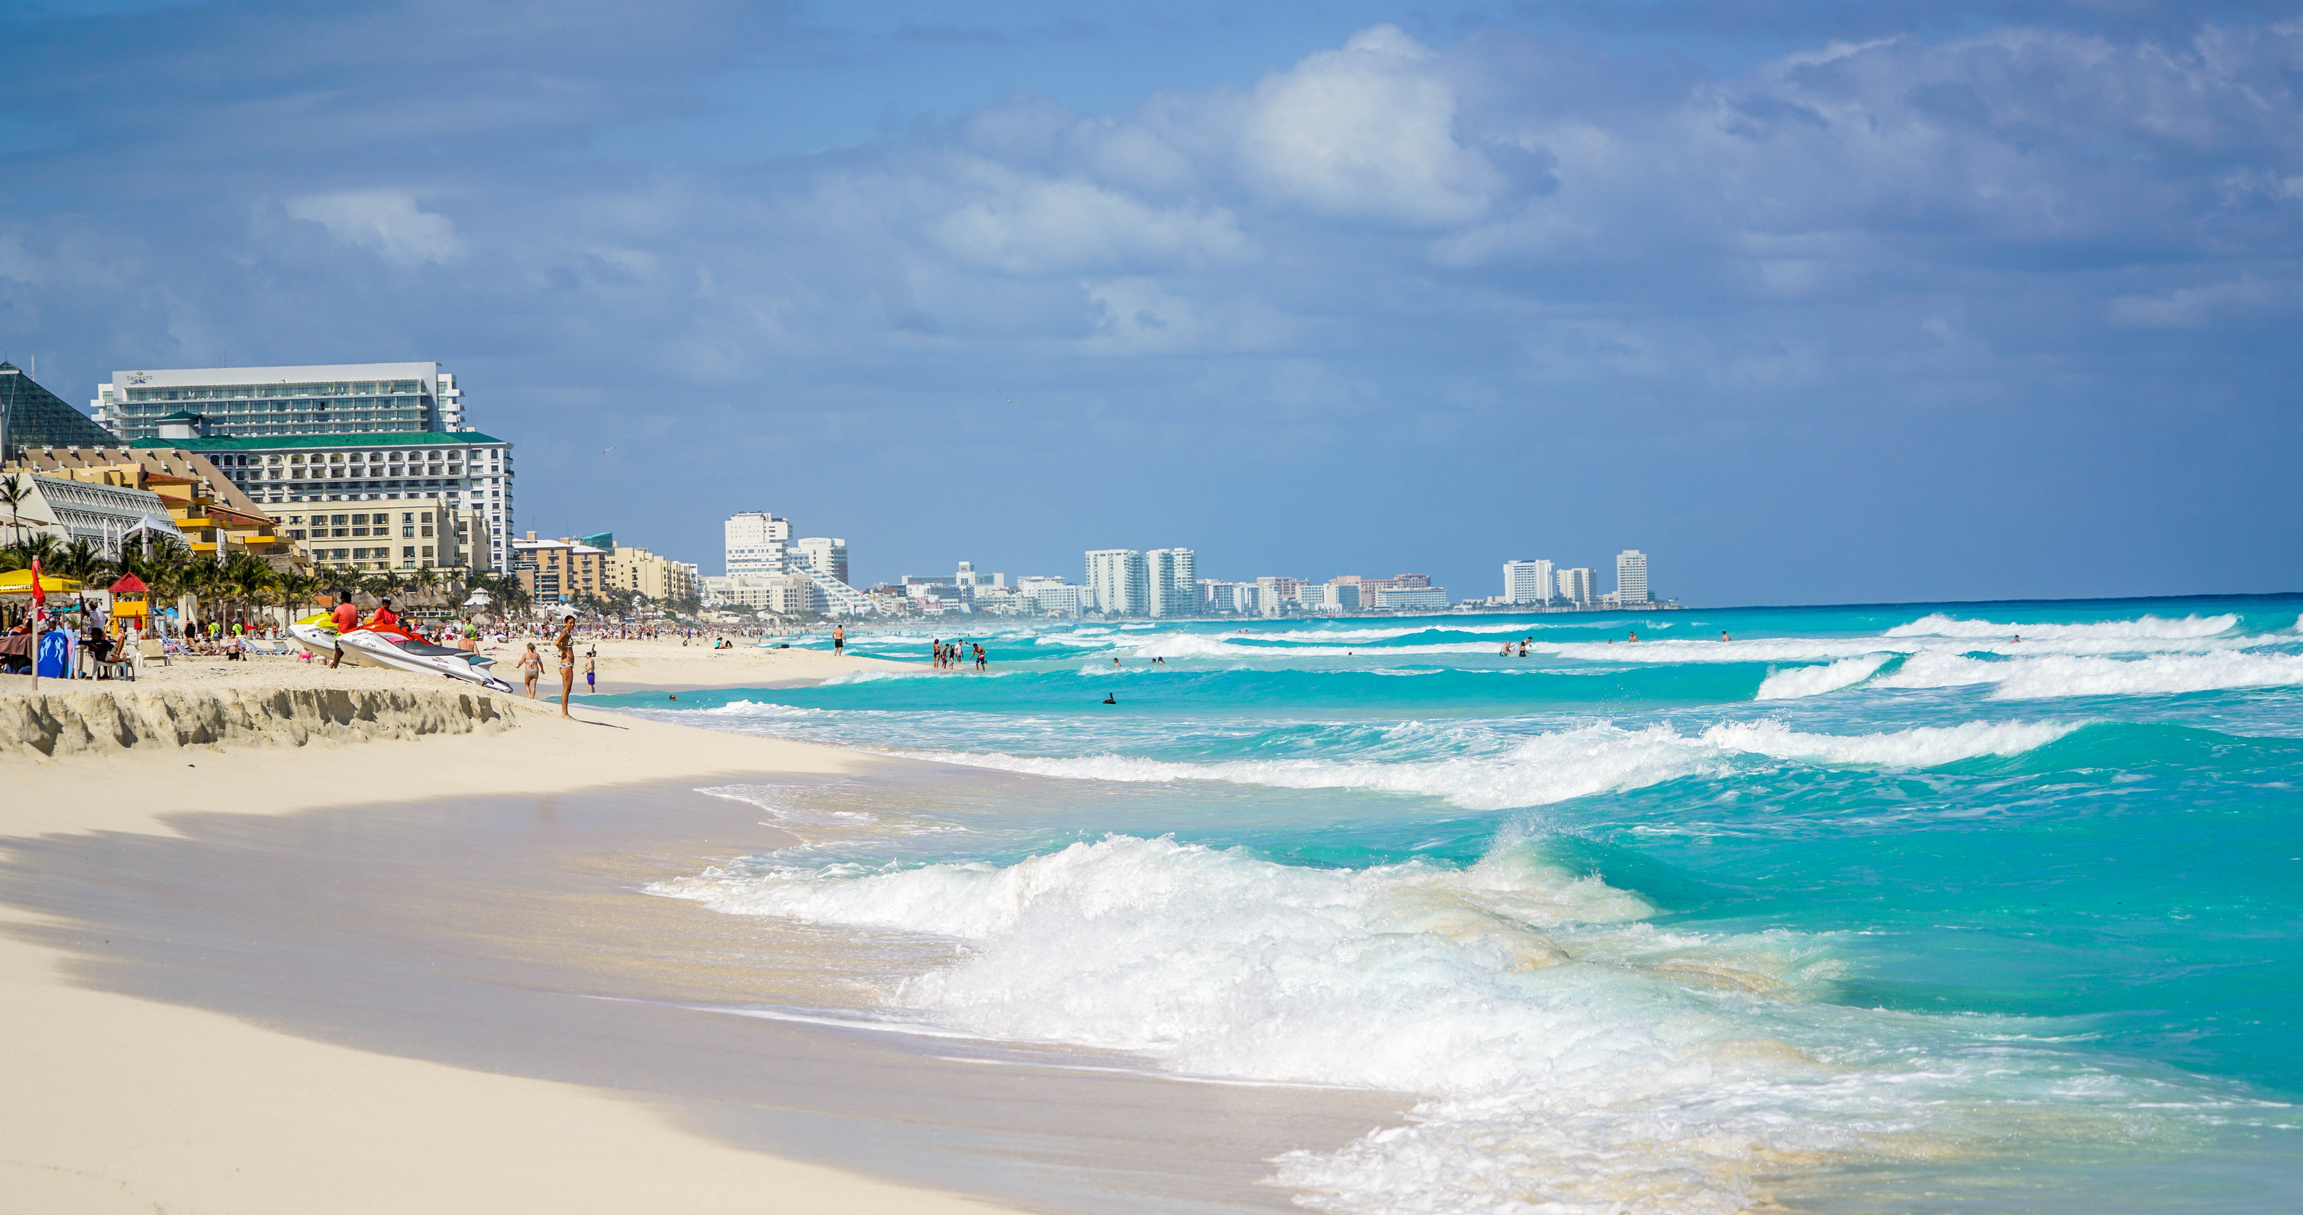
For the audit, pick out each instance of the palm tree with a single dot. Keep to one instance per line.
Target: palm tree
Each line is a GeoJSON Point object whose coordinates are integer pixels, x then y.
{"type": "Point", "coordinates": [80, 561]}
{"type": "Point", "coordinates": [43, 548]}
{"type": "Point", "coordinates": [15, 489]}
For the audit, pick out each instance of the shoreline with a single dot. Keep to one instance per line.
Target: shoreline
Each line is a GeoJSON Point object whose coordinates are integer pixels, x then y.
{"type": "Point", "coordinates": [120, 1103]}
{"type": "Point", "coordinates": [133, 1086]}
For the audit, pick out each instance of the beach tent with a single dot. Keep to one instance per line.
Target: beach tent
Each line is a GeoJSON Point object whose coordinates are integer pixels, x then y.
{"type": "Point", "coordinates": [19, 583]}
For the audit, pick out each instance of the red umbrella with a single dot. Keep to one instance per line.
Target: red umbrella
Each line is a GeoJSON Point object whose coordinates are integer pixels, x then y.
{"type": "Point", "coordinates": [39, 620]}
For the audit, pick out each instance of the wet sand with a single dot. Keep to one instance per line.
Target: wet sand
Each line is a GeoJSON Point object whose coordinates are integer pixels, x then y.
{"type": "Point", "coordinates": [506, 933]}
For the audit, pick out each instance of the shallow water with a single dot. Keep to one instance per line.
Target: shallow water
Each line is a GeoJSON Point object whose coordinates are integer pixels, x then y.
{"type": "Point", "coordinates": [1874, 908]}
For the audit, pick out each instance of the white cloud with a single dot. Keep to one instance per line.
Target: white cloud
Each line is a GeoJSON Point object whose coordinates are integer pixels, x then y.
{"type": "Point", "coordinates": [385, 222]}
{"type": "Point", "coordinates": [2197, 307]}
{"type": "Point", "coordinates": [1366, 132]}
{"type": "Point", "coordinates": [1030, 225]}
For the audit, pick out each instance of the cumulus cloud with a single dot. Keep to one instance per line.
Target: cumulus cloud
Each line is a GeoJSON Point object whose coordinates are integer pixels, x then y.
{"type": "Point", "coordinates": [1367, 131]}
{"type": "Point", "coordinates": [387, 223]}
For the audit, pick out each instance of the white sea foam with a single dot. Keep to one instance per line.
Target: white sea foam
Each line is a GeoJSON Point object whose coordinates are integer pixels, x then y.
{"type": "Point", "coordinates": [1575, 1060]}
{"type": "Point", "coordinates": [2058, 675]}
{"type": "Point", "coordinates": [1816, 680]}
{"type": "Point", "coordinates": [1557, 766]}
{"type": "Point", "coordinates": [2154, 628]}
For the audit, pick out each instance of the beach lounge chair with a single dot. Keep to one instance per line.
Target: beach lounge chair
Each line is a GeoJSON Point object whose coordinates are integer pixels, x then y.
{"type": "Point", "coordinates": [152, 649]}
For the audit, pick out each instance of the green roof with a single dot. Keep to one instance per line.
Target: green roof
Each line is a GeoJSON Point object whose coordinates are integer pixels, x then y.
{"type": "Point", "coordinates": [39, 418]}
{"type": "Point", "coordinates": [425, 438]}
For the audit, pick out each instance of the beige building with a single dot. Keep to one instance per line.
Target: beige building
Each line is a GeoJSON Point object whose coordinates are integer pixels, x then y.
{"type": "Point", "coordinates": [783, 594]}
{"type": "Point", "coordinates": [388, 533]}
{"type": "Point", "coordinates": [560, 571]}
{"type": "Point", "coordinates": [201, 502]}
{"type": "Point", "coordinates": [661, 579]}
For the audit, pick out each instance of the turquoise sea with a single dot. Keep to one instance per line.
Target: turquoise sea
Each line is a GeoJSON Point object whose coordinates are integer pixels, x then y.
{"type": "Point", "coordinates": [1872, 908]}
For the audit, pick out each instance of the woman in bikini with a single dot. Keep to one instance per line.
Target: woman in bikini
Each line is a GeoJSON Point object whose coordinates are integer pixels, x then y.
{"type": "Point", "coordinates": [531, 668]}
{"type": "Point", "coordinates": [566, 641]}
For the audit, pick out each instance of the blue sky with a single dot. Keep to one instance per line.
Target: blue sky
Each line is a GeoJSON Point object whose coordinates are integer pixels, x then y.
{"type": "Point", "coordinates": [1813, 301]}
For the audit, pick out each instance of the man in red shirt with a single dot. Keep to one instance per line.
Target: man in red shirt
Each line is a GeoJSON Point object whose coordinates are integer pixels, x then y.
{"type": "Point", "coordinates": [383, 617]}
{"type": "Point", "coordinates": [347, 619]}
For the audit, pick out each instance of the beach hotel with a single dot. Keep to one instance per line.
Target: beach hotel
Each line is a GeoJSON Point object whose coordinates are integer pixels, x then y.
{"type": "Point", "coordinates": [334, 432]}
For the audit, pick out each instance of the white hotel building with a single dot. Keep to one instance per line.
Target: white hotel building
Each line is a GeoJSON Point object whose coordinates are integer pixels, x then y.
{"type": "Point", "coordinates": [326, 433]}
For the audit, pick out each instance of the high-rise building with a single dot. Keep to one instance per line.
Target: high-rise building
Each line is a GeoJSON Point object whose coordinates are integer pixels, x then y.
{"type": "Point", "coordinates": [1527, 581]}
{"type": "Point", "coordinates": [756, 544]}
{"type": "Point", "coordinates": [1631, 577]}
{"type": "Point", "coordinates": [1579, 586]}
{"type": "Point", "coordinates": [1172, 575]}
{"type": "Point", "coordinates": [32, 416]}
{"type": "Point", "coordinates": [1120, 581]}
{"type": "Point", "coordinates": [825, 556]}
{"type": "Point", "coordinates": [271, 402]}
{"type": "Point", "coordinates": [468, 472]}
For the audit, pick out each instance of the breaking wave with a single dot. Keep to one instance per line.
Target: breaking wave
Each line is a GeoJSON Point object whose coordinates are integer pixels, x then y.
{"type": "Point", "coordinates": [1557, 766]}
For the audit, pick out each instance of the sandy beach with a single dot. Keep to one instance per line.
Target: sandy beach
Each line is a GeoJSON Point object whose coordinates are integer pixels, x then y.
{"type": "Point", "coordinates": [115, 1103]}
{"type": "Point", "coordinates": [248, 978]}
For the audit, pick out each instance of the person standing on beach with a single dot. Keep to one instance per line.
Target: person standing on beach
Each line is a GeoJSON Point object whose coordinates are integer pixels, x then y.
{"type": "Point", "coordinates": [531, 668]}
{"type": "Point", "coordinates": [566, 642]}
{"type": "Point", "coordinates": [839, 640]}
{"type": "Point", "coordinates": [347, 618]}
{"type": "Point", "coordinates": [591, 678]}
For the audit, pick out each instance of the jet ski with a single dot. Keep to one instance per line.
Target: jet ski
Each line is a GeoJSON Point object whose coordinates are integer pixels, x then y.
{"type": "Point", "coordinates": [391, 646]}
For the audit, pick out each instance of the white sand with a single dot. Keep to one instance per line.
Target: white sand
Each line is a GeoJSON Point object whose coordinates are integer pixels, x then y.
{"type": "Point", "coordinates": [111, 1103]}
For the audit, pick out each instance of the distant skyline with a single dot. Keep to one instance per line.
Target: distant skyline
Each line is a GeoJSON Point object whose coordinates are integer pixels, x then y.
{"type": "Point", "coordinates": [1810, 300]}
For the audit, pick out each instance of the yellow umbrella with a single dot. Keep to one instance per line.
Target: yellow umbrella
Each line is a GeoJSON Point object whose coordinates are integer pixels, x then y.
{"type": "Point", "coordinates": [19, 582]}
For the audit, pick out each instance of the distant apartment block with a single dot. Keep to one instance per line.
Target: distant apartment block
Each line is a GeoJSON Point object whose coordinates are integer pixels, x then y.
{"type": "Point", "coordinates": [826, 556]}
{"type": "Point", "coordinates": [1418, 597]}
{"type": "Point", "coordinates": [1172, 582]}
{"type": "Point", "coordinates": [757, 543]}
{"type": "Point", "coordinates": [635, 569]}
{"type": "Point", "coordinates": [1579, 586]}
{"type": "Point", "coordinates": [1054, 596]}
{"type": "Point", "coordinates": [559, 571]}
{"type": "Point", "coordinates": [272, 402]}
{"type": "Point", "coordinates": [1120, 581]}
{"type": "Point", "coordinates": [1528, 581]}
{"type": "Point", "coordinates": [1631, 577]}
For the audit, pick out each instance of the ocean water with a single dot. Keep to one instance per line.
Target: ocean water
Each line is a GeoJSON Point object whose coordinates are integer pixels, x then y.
{"type": "Point", "coordinates": [1930, 907]}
